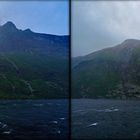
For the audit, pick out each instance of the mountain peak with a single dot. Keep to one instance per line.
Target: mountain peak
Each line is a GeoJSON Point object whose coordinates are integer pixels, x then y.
{"type": "Point", "coordinates": [128, 41]}
{"type": "Point", "coordinates": [28, 30]}
{"type": "Point", "coordinates": [9, 25]}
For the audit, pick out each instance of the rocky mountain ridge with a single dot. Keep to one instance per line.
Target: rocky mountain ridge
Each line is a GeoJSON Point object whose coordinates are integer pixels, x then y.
{"type": "Point", "coordinates": [108, 73]}
{"type": "Point", "coordinates": [32, 65]}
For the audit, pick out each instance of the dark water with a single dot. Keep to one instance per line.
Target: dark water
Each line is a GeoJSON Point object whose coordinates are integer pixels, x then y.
{"type": "Point", "coordinates": [37, 120]}
{"type": "Point", "coordinates": [110, 119]}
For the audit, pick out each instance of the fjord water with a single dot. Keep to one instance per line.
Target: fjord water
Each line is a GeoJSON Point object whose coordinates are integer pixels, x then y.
{"type": "Point", "coordinates": [102, 118]}
{"type": "Point", "coordinates": [34, 119]}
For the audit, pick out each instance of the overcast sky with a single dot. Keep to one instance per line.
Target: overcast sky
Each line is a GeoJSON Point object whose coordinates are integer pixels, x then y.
{"type": "Point", "coordinates": [44, 16]}
{"type": "Point", "coordinates": [100, 24]}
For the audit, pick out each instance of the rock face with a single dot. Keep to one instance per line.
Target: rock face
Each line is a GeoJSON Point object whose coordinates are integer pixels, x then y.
{"type": "Point", "coordinates": [32, 65]}
{"type": "Point", "coordinates": [108, 73]}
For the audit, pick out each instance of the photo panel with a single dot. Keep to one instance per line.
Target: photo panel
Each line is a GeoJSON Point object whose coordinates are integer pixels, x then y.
{"type": "Point", "coordinates": [105, 70]}
{"type": "Point", "coordinates": [34, 70]}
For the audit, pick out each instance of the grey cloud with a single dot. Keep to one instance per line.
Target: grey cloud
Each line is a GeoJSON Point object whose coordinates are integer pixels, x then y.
{"type": "Point", "coordinates": [100, 24]}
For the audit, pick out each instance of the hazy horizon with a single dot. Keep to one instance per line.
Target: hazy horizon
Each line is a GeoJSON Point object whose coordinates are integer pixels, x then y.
{"type": "Point", "coordinates": [100, 24]}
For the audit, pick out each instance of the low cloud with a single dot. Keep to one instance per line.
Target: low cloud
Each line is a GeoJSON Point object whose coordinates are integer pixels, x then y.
{"type": "Point", "coordinates": [100, 24]}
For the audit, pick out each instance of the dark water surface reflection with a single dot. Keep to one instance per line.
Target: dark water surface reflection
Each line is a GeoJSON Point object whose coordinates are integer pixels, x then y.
{"type": "Point", "coordinates": [33, 119]}
{"type": "Point", "coordinates": [105, 119]}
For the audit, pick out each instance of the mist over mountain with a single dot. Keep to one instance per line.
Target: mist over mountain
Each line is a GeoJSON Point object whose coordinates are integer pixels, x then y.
{"type": "Point", "coordinates": [32, 65]}
{"type": "Point", "coordinates": [108, 73]}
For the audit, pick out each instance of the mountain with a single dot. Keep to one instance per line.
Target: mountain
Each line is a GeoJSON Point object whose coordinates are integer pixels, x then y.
{"type": "Point", "coordinates": [108, 73]}
{"type": "Point", "coordinates": [32, 65]}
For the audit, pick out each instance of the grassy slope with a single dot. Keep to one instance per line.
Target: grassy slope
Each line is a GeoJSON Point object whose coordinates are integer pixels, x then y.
{"type": "Point", "coordinates": [26, 76]}
{"type": "Point", "coordinates": [98, 77]}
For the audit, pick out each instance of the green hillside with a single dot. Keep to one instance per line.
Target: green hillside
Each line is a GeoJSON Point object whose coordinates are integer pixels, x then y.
{"type": "Point", "coordinates": [32, 65]}
{"type": "Point", "coordinates": [108, 73]}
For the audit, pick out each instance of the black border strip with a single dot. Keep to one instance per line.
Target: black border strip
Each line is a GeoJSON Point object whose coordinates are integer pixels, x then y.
{"type": "Point", "coordinates": [70, 2]}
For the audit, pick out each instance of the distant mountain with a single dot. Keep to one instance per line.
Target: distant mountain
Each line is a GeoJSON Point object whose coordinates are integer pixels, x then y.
{"type": "Point", "coordinates": [109, 73]}
{"type": "Point", "coordinates": [32, 65]}
{"type": "Point", "coordinates": [15, 40]}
